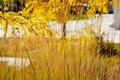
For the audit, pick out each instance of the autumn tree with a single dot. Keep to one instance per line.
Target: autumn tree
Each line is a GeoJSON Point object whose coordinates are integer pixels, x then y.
{"type": "Point", "coordinates": [39, 12]}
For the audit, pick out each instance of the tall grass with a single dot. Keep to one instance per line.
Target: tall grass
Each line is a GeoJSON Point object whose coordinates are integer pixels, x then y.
{"type": "Point", "coordinates": [58, 59]}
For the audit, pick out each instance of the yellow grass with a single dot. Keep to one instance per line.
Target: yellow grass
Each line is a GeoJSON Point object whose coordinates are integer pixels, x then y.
{"type": "Point", "coordinates": [58, 59]}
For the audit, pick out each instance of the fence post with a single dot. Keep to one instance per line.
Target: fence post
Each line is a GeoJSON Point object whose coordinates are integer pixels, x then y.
{"type": "Point", "coordinates": [117, 17]}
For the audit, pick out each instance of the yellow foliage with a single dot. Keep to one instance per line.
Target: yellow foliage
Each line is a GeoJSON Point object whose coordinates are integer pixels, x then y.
{"type": "Point", "coordinates": [33, 18]}
{"type": "Point", "coordinates": [97, 5]}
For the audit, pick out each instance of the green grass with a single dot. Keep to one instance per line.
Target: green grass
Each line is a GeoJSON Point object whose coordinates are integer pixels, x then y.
{"type": "Point", "coordinates": [116, 46]}
{"type": "Point", "coordinates": [78, 17]}
{"type": "Point", "coordinates": [1, 2]}
{"type": "Point", "coordinates": [73, 17]}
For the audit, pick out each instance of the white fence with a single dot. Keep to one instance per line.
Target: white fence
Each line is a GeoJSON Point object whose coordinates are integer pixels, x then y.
{"type": "Point", "coordinates": [76, 26]}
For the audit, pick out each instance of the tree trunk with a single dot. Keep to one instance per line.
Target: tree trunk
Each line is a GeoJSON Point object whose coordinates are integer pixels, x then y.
{"type": "Point", "coordinates": [64, 30]}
